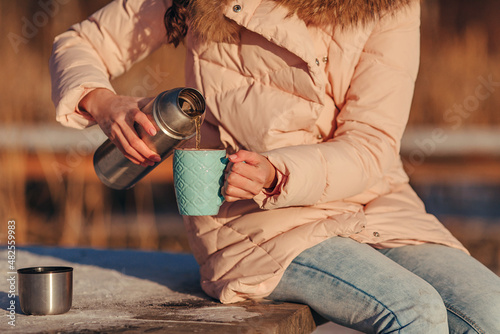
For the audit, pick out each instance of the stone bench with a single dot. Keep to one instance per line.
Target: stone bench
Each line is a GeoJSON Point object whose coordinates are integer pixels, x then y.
{"type": "Point", "coordinates": [140, 291]}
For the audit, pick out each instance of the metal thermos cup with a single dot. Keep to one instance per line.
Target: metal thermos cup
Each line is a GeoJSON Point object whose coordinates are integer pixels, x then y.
{"type": "Point", "coordinates": [174, 114]}
{"type": "Point", "coordinates": [45, 290]}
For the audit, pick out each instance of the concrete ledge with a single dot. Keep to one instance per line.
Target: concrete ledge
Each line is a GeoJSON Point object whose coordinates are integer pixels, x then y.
{"type": "Point", "coordinates": [138, 291]}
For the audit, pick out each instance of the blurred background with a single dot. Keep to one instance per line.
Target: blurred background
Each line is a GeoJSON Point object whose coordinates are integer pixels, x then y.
{"type": "Point", "coordinates": [451, 148]}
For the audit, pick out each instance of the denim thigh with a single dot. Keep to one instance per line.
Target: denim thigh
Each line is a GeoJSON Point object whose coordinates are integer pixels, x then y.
{"type": "Point", "coordinates": [355, 285]}
{"type": "Point", "coordinates": [470, 291]}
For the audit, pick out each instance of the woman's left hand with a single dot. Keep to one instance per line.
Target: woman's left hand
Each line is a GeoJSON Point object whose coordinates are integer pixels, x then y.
{"type": "Point", "coordinates": [246, 175]}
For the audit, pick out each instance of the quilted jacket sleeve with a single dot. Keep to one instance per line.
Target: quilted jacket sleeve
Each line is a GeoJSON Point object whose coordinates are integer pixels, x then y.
{"type": "Point", "coordinates": [371, 123]}
{"type": "Point", "coordinates": [100, 48]}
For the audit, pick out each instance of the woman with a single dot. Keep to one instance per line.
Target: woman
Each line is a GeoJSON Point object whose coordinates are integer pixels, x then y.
{"type": "Point", "coordinates": [310, 99]}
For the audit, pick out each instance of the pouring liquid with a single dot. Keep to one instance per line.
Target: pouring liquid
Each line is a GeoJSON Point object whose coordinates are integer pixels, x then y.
{"type": "Point", "coordinates": [188, 109]}
{"type": "Point", "coordinates": [197, 121]}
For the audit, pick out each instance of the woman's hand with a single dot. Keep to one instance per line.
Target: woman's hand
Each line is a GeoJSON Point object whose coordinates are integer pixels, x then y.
{"type": "Point", "coordinates": [246, 175]}
{"type": "Point", "coordinates": [116, 115]}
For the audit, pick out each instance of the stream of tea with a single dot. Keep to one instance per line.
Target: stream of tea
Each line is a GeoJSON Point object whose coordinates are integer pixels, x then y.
{"type": "Point", "coordinates": [188, 109]}
{"type": "Point", "coordinates": [197, 122]}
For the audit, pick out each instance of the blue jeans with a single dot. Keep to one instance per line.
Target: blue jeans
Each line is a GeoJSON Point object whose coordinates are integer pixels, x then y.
{"type": "Point", "coordinates": [411, 289]}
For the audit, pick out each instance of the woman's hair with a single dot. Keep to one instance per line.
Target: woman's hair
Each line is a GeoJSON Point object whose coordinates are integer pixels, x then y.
{"type": "Point", "coordinates": [175, 20]}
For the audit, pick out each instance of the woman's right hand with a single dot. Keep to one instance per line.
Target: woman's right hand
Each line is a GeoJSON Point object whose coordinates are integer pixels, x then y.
{"type": "Point", "coordinates": [116, 115]}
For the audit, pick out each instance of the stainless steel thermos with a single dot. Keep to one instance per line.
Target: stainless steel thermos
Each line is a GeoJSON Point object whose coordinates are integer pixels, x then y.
{"type": "Point", "coordinates": [174, 113]}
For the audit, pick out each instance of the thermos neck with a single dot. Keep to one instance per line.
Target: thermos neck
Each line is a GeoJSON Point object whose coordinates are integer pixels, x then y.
{"type": "Point", "coordinates": [175, 112]}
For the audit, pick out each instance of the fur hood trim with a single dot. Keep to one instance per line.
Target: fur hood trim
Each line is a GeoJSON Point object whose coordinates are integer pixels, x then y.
{"type": "Point", "coordinates": [208, 21]}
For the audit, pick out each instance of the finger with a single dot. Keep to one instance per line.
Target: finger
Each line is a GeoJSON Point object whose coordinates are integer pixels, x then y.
{"type": "Point", "coordinates": [138, 147]}
{"type": "Point", "coordinates": [126, 145]}
{"type": "Point", "coordinates": [250, 158]}
{"type": "Point", "coordinates": [243, 169]}
{"type": "Point", "coordinates": [232, 193]}
{"type": "Point", "coordinates": [121, 143]}
{"type": "Point", "coordinates": [146, 124]}
{"type": "Point", "coordinates": [233, 199]}
{"type": "Point", "coordinates": [241, 186]}
{"type": "Point", "coordinates": [250, 172]}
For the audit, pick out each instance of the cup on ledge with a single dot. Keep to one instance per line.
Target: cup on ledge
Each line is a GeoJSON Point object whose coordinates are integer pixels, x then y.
{"type": "Point", "coordinates": [198, 178]}
{"type": "Point", "coordinates": [45, 290]}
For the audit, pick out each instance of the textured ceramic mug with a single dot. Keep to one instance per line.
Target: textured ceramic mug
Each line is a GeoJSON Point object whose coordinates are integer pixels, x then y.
{"type": "Point", "coordinates": [198, 178]}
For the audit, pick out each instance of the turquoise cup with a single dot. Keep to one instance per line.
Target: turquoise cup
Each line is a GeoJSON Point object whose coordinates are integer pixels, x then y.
{"type": "Point", "coordinates": [198, 179]}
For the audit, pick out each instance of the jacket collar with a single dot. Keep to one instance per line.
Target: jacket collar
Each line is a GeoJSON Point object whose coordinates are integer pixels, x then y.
{"type": "Point", "coordinates": [217, 20]}
{"type": "Point", "coordinates": [275, 24]}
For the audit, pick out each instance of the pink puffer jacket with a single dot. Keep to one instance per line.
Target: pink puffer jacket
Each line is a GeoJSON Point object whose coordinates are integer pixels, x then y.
{"type": "Point", "coordinates": [328, 109]}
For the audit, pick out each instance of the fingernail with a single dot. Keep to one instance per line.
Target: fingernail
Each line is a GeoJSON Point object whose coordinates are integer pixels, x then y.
{"type": "Point", "coordinates": [152, 131]}
{"type": "Point", "coordinates": [232, 156]}
{"type": "Point", "coordinates": [156, 158]}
